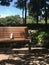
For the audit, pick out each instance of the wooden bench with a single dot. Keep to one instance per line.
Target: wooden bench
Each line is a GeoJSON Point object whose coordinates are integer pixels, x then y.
{"type": "Point", "coordinates": [14, 34]}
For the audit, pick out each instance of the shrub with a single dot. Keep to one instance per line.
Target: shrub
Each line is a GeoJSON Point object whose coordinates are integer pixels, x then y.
{"type": "Point", "coordinates": [43, 38]}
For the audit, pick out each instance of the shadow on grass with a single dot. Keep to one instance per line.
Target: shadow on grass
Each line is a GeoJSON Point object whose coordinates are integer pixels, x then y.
{"type": "Point", "coordinates": [11, 62]}
{"type": "Point", "coordinates": [23, 57]}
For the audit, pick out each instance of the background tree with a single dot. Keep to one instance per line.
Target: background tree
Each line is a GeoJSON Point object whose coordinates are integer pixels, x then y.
{"type": "Point", "coordinates": [21, 4]}
{"type": "Point", "coordinates": [35, 8]}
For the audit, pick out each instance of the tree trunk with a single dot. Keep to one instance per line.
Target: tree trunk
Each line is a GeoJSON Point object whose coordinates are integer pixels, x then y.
{"type": "Point", "coordinates": [37, 19]}
{"type": "Point", "coordinates": [37, 16]}
{"type": "Point", "coordinates": [23, 15]}
{"type": "Point", "coordinates": [45, 18]}
{"type": "Point", "coordinates": [25, 11]}
{"type": "Point", "coordinates": [45, 13]}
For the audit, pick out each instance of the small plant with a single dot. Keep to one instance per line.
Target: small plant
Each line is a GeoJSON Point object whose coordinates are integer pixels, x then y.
{"type": "Point", "coordinates": [41, 37]}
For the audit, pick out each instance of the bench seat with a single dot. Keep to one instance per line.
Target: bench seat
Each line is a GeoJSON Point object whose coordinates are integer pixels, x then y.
{"type": "Point", "coordinates": [14, 40]}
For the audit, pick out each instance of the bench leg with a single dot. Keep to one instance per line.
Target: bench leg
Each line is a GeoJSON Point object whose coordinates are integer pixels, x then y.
{"type": "Point", "coordinates": [29, 45]}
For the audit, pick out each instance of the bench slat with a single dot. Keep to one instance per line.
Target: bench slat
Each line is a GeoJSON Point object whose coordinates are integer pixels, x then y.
{"type": "Point", "coordinates": [13, 40]}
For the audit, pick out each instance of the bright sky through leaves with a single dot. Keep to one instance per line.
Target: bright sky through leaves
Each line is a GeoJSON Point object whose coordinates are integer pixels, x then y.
{"type": "Point", "coordinates": [10, 10]}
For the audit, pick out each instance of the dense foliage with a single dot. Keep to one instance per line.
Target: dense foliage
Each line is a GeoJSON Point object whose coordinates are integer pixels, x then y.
{"type": "Point", "coordinates": [16, 20]}
{"type": "Point", "coordinates": [40, 38]}
{"type": "Point", "coordinates": [35, 8]}
{"type": "Point", "coordinates": [5, 2]}
{"type": "Point", "coordinates": [11, 20]}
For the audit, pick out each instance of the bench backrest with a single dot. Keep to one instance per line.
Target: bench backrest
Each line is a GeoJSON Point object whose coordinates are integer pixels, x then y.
{"type": "Point", "coordinates": [18, 32]}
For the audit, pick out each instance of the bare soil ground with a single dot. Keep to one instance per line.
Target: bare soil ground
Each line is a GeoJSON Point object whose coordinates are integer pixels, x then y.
{"type": "Point", "coordinates": [21, 56]}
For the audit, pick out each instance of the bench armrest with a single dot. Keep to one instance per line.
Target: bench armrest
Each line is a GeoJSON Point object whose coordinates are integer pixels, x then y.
{"type": "Point", "coordinates": [30, 36]}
